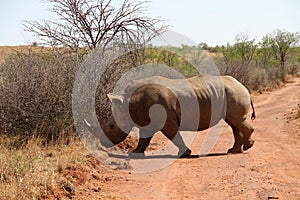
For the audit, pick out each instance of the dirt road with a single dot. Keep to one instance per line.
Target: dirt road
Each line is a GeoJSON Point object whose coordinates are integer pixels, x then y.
{"type": "Point", "coordinates": [270, 170]}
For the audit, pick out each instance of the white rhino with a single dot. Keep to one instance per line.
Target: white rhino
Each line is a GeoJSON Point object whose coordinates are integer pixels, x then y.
{"type": "Point", "coordinates": [192, 104]}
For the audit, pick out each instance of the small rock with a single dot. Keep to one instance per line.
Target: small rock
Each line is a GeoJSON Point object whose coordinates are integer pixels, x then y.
{"type": "Point", "coordinates": [273, 197]}
{"type": "Point", "coordinates": [96, 189]}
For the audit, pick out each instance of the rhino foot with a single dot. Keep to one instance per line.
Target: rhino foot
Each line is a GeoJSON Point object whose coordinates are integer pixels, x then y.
{"type": "Point", "coordinates": [186, 154]}
{"type": "Point", "coordinates": [234, 151]}
{"type": "Point", "coordinates": [248, 144]}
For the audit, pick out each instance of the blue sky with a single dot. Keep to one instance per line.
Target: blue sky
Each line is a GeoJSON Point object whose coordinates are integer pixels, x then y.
{"type": "Point", "coordinates": [215, 22]}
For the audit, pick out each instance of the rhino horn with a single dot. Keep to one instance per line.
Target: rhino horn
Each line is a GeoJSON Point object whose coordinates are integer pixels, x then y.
{"type": "Point", "coordinates": [89, 125]}
{"type": "Point", "coordinates": [113, 97]}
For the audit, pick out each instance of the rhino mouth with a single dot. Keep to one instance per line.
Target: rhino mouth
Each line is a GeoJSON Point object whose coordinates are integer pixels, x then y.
{"type": "Point", "coordinates": [104, 140]}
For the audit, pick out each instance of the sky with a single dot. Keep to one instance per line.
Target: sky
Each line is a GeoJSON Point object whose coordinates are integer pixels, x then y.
{"type": "Point", "coordinates": [215, 22]}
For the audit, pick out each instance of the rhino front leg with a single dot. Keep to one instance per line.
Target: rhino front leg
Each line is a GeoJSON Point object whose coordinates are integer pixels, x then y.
{"type": "Point", "coordinates": [173, 135]}
{"type": "Point", "coordinates": [143, 143]}
{"type": "Point", "coordinates": [184, 151]}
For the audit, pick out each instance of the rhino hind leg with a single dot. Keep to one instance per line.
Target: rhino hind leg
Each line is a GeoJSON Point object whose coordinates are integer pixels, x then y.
{"type": "Point", "coordinates": [247, 131]}
{"type": "Point", "coordinates": [244, 136]}
{"type": "Point", "coordinates": [248, 144]}
{"type": "Point", "coordinates": [238, 141]}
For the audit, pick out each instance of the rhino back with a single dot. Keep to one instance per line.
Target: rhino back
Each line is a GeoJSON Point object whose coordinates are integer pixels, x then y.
{"type": "Point", "coordinates": [185, 100]}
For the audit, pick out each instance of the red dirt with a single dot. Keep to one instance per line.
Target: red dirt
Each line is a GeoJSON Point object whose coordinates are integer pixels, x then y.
{"type": "Point", "coordinates": [270, 170]}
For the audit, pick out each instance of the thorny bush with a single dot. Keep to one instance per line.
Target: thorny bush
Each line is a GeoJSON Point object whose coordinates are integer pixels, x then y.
{"type": "Point", "coordinates": [36, 91]}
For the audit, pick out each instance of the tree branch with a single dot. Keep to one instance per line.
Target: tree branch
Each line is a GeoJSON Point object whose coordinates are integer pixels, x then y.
{"type": "Point", "coordinates": [84, 23]}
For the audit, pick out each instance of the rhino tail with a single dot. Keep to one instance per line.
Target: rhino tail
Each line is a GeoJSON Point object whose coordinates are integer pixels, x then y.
{"type": "Point", "coordinates": [253, 116]}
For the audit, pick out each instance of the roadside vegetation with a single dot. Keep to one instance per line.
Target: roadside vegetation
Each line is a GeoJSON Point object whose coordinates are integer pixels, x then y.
{"type": "Point", "coordinates": [38, 141]}
{"type": "Point", "coordinates": [33, 170]}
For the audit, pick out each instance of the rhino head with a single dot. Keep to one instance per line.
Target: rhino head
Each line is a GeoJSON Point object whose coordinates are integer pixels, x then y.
{"type": "Point", "coordinates": [114, 127]}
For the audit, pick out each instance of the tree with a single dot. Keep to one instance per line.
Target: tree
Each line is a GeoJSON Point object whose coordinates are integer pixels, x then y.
{"type": "Point", "coordinates": [87, 23]}
{"type": "Point", "coordinates": [281, 41]}
{"type": "Point", "coordinates": [246, 48]}
{"type": "Point", "coordinates": [238, 57]}
{"type": "Point", "coordinates": [265, 53]}
{"type": "Point", "coordinates": [203, 45]}
{"type": "Point", "coordinates": [241, 52]}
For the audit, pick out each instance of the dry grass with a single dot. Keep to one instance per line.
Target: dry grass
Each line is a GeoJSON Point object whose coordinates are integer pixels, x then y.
{"type": "Point", "coordinates": [32, 171]}
{"type": "Point", "coordinates": [5, 51]}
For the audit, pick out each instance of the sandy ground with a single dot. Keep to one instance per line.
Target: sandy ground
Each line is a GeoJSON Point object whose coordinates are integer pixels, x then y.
{"type": "Point", "coordinates": [269, 170]}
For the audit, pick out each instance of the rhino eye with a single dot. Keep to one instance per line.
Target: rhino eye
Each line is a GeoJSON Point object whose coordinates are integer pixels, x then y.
{"type": "Point", "coordinates": [111, 126]}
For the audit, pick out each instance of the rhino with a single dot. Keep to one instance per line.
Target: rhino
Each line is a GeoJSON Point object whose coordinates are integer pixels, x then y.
{"type": "Point", "coordinates": [217, 98]}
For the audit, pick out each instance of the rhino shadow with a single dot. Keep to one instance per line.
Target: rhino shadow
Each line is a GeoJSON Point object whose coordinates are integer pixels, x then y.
{"type": "Point", "coordinates": [167, 156]}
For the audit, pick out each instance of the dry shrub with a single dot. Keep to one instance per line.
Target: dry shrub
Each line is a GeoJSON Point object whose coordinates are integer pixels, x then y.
{"type": "Point", "coordinates": [238, 71]}
{"type": "Point", "coordinates": [264, 78]}
{"type": "Point", "coordinates": [108, 81]}
{"type": "Point", "coordinates": [36, 93]}
{"type": "Point", "coordinates": [253, 77]}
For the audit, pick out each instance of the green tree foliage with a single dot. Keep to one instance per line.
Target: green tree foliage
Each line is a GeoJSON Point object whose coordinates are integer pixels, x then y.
{"type": "Point", "coordinates": [265, 53]}
{"type": "Point", "coordinates": [245, 48]}
{"type": "Point", "coordinates": [203, 45]}
{"type": "Point", "coordinates": [281, 43]}
{"type": "Point", "coordinates": [258, 65]}
{"type": "Point", "coordinates": [275, 49]}
{"type": "Point", "coordinates": [237, 58]}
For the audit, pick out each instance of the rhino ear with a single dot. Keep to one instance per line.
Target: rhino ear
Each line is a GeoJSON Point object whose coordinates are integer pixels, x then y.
{"type": "Point", "coordinates": [115, 98]}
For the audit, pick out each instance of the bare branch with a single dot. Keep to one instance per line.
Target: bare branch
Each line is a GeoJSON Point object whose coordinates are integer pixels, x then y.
{"type": "Point", "coordinates": [84, 23]}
